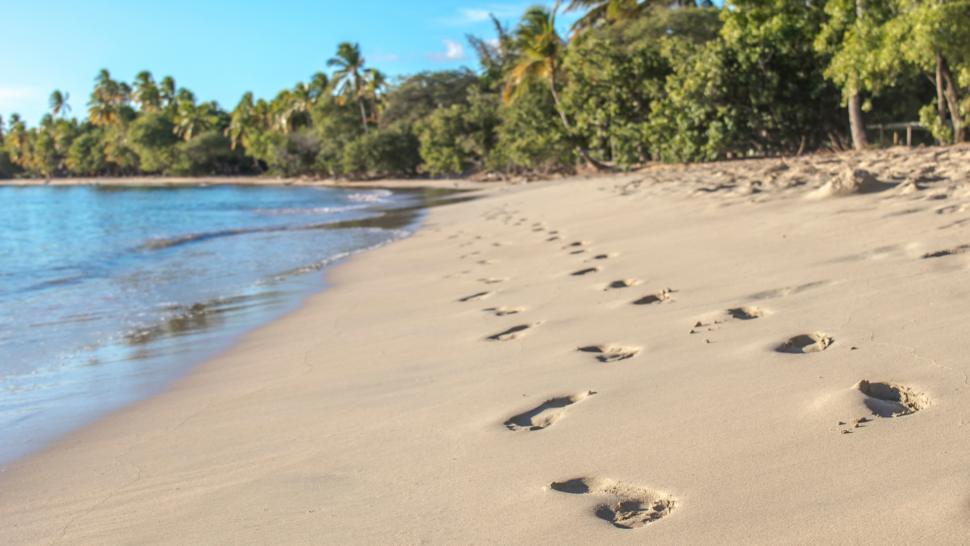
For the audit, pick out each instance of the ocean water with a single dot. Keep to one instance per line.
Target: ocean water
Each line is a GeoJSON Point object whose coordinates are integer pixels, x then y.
{"type": "Point", "coordinates": [108, 294]}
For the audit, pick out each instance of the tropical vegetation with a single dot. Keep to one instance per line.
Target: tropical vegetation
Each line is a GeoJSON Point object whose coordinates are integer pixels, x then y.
{"type": "Point", "coordinates": [632, 81]}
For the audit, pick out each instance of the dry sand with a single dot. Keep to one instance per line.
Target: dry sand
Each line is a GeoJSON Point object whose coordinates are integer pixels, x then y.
{"type": "Point", "coordinates": [737, 353]}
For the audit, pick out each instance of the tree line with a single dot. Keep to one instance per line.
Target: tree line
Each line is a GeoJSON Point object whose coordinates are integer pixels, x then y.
{"type": "Point", "coordinates": [632, 81]}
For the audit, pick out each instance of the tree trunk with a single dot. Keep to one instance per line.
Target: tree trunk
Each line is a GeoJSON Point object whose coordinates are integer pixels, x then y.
{"type": "Point", "coordinates": [940, 99]}
{"type": "Point", "coordinates": [859, 138]}
{"type": "Point", "coordinates": [590, 162]}
{"type": "Point", "coordinates": [363, 115]}
{"type": "Point", "coordinates": [952, 99]}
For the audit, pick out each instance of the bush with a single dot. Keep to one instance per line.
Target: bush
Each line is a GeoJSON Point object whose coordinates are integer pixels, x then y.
{"type": "Point", "coordinates": [531, 135]}
{"type": "Point", "coordinates": [461, 136]}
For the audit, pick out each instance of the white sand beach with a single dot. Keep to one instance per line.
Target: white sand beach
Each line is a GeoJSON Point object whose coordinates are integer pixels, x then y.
{"type": "Point", "coordinates": [749, 352]}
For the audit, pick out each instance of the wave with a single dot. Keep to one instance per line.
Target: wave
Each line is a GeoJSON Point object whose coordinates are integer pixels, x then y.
{"type": "Point", "coordinates": [169, 242]}
{"type": "Point", "coordinates": [376, 196]}
{"type": "Point", "coordinates": [298, 211]}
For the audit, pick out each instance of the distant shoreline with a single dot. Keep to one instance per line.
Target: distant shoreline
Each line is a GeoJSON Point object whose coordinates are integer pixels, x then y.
{"type": "Point", "coordinates": [243, 181]}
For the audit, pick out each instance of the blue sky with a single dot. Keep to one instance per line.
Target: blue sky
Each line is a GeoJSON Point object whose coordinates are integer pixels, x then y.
{"type": "Point", "coordinates": [220, 50]}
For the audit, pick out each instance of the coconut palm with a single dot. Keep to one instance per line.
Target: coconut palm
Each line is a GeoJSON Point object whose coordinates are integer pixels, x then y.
{"type": "Point", "coordinates": [147, 94]}
{"type": "Point", "coordinates": [58, 103]}
{"type": "Point", "coordinates": [192, 120]}
{"type": "Point", "coordinates": [166, 91]}
{"type": "Point", "coordinates": [349, 78]}
{"type": "Point", "coordinates": [240, 122]}
{"type": "Point", "coordinates": [18, 141]}
{"type": "Point", "coordinates": [494, 56]}
{"type": "Point", "coordinates": [374, 87]}
{"type": "Point", "coordinates": [540, 50]}
{"type": "Point", "coordinates": [301, 100]}
{"type": "Point", "coordinates": [105, 100]}
{"type": "Point", "coordinates": [614, 11]}
{"type": "Point", "coordinates": [319, 84]}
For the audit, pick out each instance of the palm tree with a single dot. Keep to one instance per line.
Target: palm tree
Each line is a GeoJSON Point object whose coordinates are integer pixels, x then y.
{"type": "Point", "coordinates": [301, 100]}
{"type": "Point", "coordinates": [192, 120]}
{"type": "Point", "coordinates": [240, 121]}
{"type": "Point", "coordinates": [166, 91]}
{"type": "Point", "coordinates": [376, 81]}
{"type": "Point", "coordinates": [493, 56]}
{"type": "Point", "coordinates": [103, 106]}
{"type": "Point", "coordinates": [58, 103]}
{"type": "Point", "coordinates": [319, 84]}
{"type": "Point", "coordinates": [280, 111]}
{"type": "Point", "coordinates": [540, 50]}
{"type": "Point", "coordinates": [147, 94]}
{"type": "Point", "coordinates": [18, 141]}
{"type": "Point", "coordinates": [349, 78]}
{"type": "Point", "coordinates": [615, 11]}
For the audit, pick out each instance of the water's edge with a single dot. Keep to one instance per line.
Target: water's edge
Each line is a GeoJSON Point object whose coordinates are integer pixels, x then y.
{"type": "Point", "coordinates": [309, 281]}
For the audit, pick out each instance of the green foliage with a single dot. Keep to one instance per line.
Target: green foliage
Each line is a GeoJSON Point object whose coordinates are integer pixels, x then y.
{"type": "Point", "coordinates": [153, 138]}
{"type": "Point", "coordinates": [760, 88]}
{"type": "Point", "coordinates": [532, 137]}
{"type": "Point", "coordinates": [418, 96]}
{"type": "Point", "coordinates": [211, 153]}
{"type": "Point", "coordinates": [677, 80]}
{"type": "Point", "coordinates": [393, 151]}
{"type": "Point", "coordinates": [461, 136]}
{"type": "Point", "coordinates": [610, 93]}
{"type": "Point", "coordinates": [86, 156]}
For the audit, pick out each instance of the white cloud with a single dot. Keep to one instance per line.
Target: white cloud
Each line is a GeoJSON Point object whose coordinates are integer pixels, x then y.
{"type": "Point", "coordinates": [9, 93]}
{"type": "Point", "coordinates": [454, 51]}
{"type": "Point", "coordinates": [381, 58]}
{"type": "Point", "coordinates": [471, 16]}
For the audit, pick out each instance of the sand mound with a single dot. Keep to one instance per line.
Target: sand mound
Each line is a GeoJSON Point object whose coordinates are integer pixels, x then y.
{"type": "Point", "coordinates": [850, 182]}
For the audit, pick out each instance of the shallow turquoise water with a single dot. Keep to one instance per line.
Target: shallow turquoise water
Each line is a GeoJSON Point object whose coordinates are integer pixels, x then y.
{"type": "Point", "coordinates": [108, 294]}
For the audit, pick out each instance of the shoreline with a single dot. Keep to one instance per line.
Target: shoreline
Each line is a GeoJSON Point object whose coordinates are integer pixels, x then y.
{"type": "Point", "coordinates": [462, 184]}
{"type": "Point", "coordinates": [526, 358]}
{"type": "Point", "coordinates": [56, 405]}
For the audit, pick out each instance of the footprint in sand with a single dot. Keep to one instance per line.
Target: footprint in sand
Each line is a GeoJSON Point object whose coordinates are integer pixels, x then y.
{"type": "Point", "coordinates": [476, 297]}
{"type": "Point", "coordinates": [949, 252]}
{"type": "Point", "coordinates": [891, 399]}
{"type": "Point", "coordinates": [622, 283]}
{"type": "Point", "coordinates": [662, 296]}
{"type": "Point", "coordinates": [739, 313]}
{"type": "Point", "coordinates": [546, 414]}
{"type": "Point", "coordinates": [487, 262]}
{"type": "Point", "coordinates": [604, 256]}
{"type": "Point", "coordinates": [625, 506]}
{"type": "Point", "coordinates": [805, 343]}
{"type": "Point", "coordinates": [553, 238]}
{"type": "Point", "coordinates": [787, 291]}
{"type": "Point", "coordinates": [580, 251]}
{"type": "Point", "coordinates": [610, 353]}
{"type": "Point", "coordinates": [513, 333]}
{"type": "Point", "coordinates": [493, 280]}
{"type": "Point", "coordinates": [586, 271]}
{"type": "Point", "coordinates": [747, 313]}
{"type": "Point", "coordinates": [502, 311]}
{"type": "Point", "coordinates": [576, 244]}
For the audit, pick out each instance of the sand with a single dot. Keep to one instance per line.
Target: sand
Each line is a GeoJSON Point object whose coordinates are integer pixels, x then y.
{"type": "Point", "coordinates": [712, 354]}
